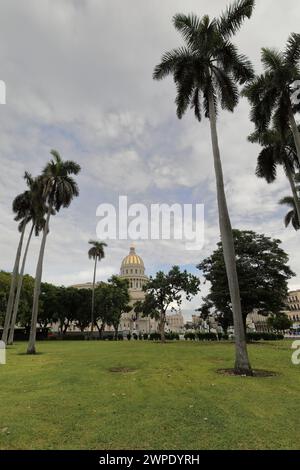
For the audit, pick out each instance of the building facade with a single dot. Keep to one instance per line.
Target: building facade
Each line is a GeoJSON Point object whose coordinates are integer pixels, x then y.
{"type": "Point", "coordinates": [293, 307]}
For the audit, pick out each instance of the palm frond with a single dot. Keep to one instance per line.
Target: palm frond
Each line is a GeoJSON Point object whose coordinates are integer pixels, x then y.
{"type": "Point", "coordinates": [170, 61]}
{"type": "Point", "coordinates": [231, 20]}
{"type": "Point", "coordinates": [266, 165]}
{"type": "Point", "coordinates": [292, 50]}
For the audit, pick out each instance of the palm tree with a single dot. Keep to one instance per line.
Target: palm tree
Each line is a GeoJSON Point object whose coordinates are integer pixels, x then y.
{"type": "Point", "coordinates": [207, 72]}
{"type": "Point", "coordinates": [37, 213]}
{"type": "Point", "coordinates": [22, 206]}
{"type": "Point", "coordinates": [58, 190]}
{"type": "Point", "coordinates": [270, 93]}
{"type": "Point", "coordinates": [96, 252]}
{"type": "Point", "coordinates": [277, 150]}
{"type": "Point", "coordinates": [292, 216]}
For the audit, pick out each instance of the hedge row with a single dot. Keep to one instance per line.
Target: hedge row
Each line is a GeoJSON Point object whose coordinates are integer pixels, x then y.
{"type": "Point", "coordinates": [264, 336]}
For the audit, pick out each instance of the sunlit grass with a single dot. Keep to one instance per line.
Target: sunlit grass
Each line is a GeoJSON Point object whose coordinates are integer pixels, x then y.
{"type": "Point", "coordinates": [67, 398]}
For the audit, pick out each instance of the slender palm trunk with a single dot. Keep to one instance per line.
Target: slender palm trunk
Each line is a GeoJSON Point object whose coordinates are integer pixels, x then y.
{"type": "Point", "coordinates": [93, 298]}
{"type": "Point", "coordinates": [290, 176]}
{"type": "Point", "coordinates": [295, 132]}
{"type": "Point", "coordinates": [19, 288]}
{"type": "Point", "coordinates": [37, 287]}
{"type": "Point", "coordinates": [12, 290]}
{"type": "Point", "coordinates": [242, 364]}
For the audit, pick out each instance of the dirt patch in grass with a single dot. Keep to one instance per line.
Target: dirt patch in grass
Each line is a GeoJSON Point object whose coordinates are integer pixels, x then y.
{"type": "Point", "coordinates": [122, 370]}
{"type": "Point", "coordinates": [256, 373]}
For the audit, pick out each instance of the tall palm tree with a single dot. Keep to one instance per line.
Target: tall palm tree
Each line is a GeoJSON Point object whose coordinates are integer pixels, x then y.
{"type": "Point", "coordinates": [96, 252]}
{"type": "Point", "coordinates": [22, 206]}
{"type": "Point", "coordinates": [292, 216]}
{"type": "Point", "coordinates": [207, 71]}
{"type": "Point", "coordinates": [270, 93]}
{"type": "Point", "coordinates": [277, 150]}
{"type": "Point", "coordinates": [58, 190]}
{"type": "Point", "coordinates": [37, 213]}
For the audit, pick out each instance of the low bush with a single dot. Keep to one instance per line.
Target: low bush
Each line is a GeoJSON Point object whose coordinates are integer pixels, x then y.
{"type": "Point", "coordinates": [206, 336]}
{"type": "Point", "coordinates": [189, 336]}
{"type": "Point", "coordinates": [255, 336]}
{"type": "Point", "coordinates": [154, 336]}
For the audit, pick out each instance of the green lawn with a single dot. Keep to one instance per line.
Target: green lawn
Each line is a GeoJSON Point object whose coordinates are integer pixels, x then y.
{"type": "Point", "coordinates": [66, 397]}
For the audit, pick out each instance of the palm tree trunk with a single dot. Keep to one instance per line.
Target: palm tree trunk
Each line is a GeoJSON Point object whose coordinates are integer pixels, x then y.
{"type": "Point", "coordinates": [295, 132]}
{"type": "Point", "coordinates": [12, 290]}
{"type": "Point", "coordinates": [290, 176]}
{"type": "Point", "coordinates": [242, 364]}
{"type": "Point", "coordinates": [37, 287]}
{"type": "Point", "coordinates": [17, 299]}
{"type": "Point", "coordinates": [93, 298]}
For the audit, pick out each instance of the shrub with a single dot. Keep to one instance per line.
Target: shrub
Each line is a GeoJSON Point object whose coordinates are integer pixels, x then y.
{"type": "Point", "coordinates": [75, 337]}
{"type": "Point", "coordinates": [189, 336]}
{"type": "Point", "coordinates": [145, 336]}
{"type": "Point", "coordinates": [206, 336]}
{"type": "Point", "coordinates": [172, 336]}
{"type": "Point", "coordinates": [129, 336]}
{"type": "Point", "coordinates": [264, 336]}
{"type": "Point", "coordinates": [154, 336]}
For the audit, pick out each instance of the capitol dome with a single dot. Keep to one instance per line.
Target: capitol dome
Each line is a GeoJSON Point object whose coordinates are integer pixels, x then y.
{"type": "Point", "coordinates": [132, 259]}
{"type": "Point", "coordinates": [133, 269]}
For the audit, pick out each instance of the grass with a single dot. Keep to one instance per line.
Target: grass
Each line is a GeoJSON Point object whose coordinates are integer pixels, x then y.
{"type": "Point", "coordinates": [67, 398]}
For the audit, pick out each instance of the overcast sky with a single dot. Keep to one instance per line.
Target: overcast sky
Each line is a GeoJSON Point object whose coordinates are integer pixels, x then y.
{"type": "Point", "coordinates": [79, 79]}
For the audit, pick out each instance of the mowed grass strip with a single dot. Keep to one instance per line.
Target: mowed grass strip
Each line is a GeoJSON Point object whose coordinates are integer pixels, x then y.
{"type": "Point", "coordinates": [144, 395]}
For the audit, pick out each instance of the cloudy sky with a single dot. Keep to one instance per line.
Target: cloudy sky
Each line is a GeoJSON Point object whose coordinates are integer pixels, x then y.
{"type": "Point", "coordinates": [79, 79]}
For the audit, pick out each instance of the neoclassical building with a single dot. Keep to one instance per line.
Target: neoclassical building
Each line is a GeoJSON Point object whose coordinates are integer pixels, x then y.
{"type": "Point", "coordinates": [133, 269]}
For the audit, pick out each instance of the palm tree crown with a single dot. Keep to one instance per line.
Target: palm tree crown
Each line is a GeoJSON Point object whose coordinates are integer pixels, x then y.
{"type": "Point", "coordinates": [97, 250]}
{"type": "Point", "coordinates": [209, 62]}
{"type": "Point", "coordinates": [58, 187]}
{"type": "Point", "coordinates": [275, 151]}
{"type": "Point", "coordinates": [270, 93]}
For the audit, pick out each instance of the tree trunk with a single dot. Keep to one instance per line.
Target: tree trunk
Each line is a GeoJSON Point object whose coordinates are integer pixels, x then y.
{"type": "Point", "coordinates": [12, 290]}
{"type": "Point", "coordinates": [161, 328]}
{"type": "Point", "coordinates": [290, 176]}
{"type": "Point", "coordinates": [295, 132]}
{"type": "Point", "coordinates": [37, 287]}
{"type": "Point", "coordinates": [242, 364]}
{"type": "Point", "coordinates": [116, 332]}
{"type": "Point", "coordinates": [19, 288]}
{"type": "Point", "coordinates": [93, 298]}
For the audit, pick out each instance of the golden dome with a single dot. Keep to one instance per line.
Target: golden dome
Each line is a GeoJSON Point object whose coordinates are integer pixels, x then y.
{"type": "Point", "coordinates": [132, 259]}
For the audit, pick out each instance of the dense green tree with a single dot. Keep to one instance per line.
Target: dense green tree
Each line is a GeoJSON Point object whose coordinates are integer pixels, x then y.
{"type": "Point", "coordinates": [120, 301]}
{"type": "Point", "coordinates": [263, 272]}
{"type": "Point", "coordinates": [280, 322]}
{"type": "Point", "coordinates": [58, 189]}
{"type": "Point", "coordinates": [82, 312]}
{"type": "Point", "coordinates": [103, 306]}
{"type": "Point", "coordinates": [165, 291]}
{"type": "Point", "coordinates": [207, 71]}
{"type": "Point", "coordinates": [96, 252]}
